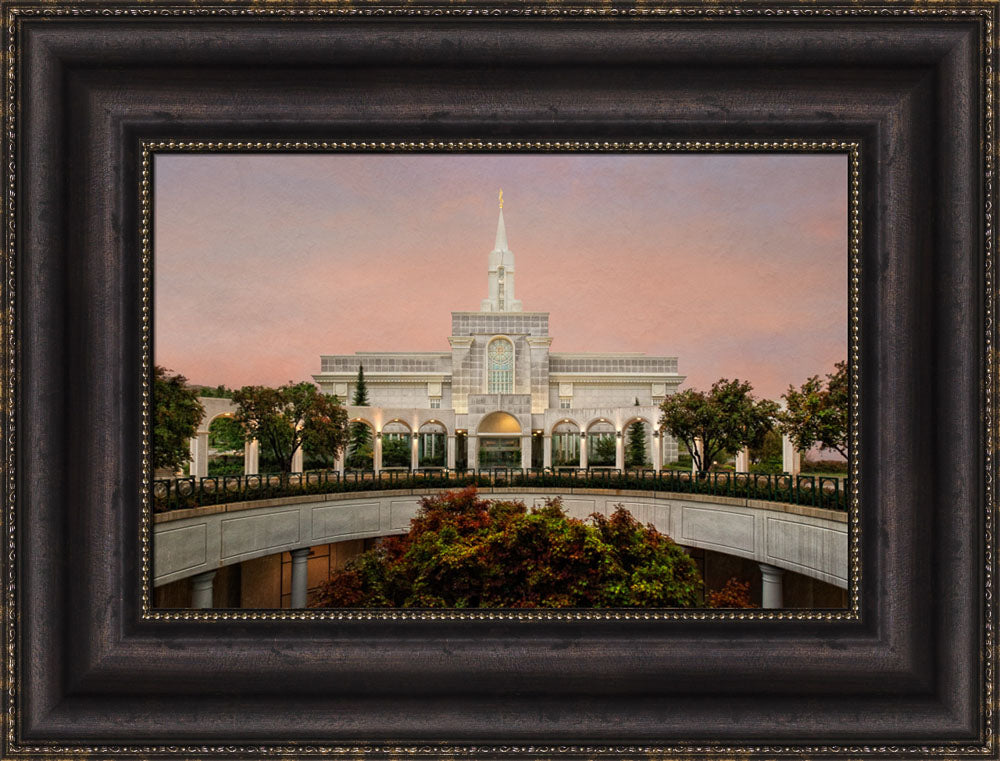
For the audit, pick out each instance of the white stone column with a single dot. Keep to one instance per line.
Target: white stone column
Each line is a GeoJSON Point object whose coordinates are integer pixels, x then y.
{"type": "Point", "coordinates": [791, 458]}
{"type": "Point", "coordinates": [300, 577]}
{"type": "Point", "coordinates": [583, 450]}
{"type": "Point", "coordinates": [199, 454]}
{"type": "Point", "coordinates": [450, 462]}
{"type": "Point", "coordinates": [341, 464]}
{"type": "Point", "coordinates": [414, 451]}
{"type": "Point", "coordinates": [377, 453]}
{"type": "Point", "coordinates": [297, 459]}
{"type": "Point", "coordinates": [699, 447]}
{"type": "Point", "coordinates": [525, 451]}
{"type": "Point", "coordinates": [472, 445]}
{"type": "Point", "coordinates": [251, 458]}
{"type": "Point", "coordinates": [771, 595]}
{"type": "Point", "coordinates": [201, 589]}
{"type": "Point", "coordinates": [547, 450]}
{"type": "Point", "coordinates": [743, 460]}
{"type": "Point", "coordinates": [657, 451]}
{"type": "Point", "coordinates": [620, 450]}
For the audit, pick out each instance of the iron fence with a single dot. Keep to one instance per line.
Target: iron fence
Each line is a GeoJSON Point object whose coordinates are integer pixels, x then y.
{"type": "Point", "coordinates": [827, 492]}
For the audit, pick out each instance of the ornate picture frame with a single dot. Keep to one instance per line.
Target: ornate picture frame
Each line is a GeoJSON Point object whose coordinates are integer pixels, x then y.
{"type": "Point", "coordinates": [908, 669]}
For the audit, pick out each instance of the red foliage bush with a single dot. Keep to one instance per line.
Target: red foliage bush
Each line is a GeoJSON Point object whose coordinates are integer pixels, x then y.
{"type": "Point", "coordinates": [735, 594]}
{"type": "Point", "coordinates": [465, 552]}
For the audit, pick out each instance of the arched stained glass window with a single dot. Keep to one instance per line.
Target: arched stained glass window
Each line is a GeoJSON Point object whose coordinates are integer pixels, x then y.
{"type": "Point", "coordinates": [500, 355]}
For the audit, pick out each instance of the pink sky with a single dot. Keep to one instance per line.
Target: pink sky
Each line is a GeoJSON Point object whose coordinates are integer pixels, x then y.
{"type": "Point", "coordinates": [736, 264]}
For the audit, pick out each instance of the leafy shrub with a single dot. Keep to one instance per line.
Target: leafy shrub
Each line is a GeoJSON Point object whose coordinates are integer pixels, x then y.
{"type": "Point", "coordinates": [464, 552]}
{"type": "Point", "coordinates": [824, 466]}
{"type": "Point", "coordinates": [735, 594]}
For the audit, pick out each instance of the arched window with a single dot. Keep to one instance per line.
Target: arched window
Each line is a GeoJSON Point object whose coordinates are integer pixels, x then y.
{"type": "Point", "coordinates": [500, 359]}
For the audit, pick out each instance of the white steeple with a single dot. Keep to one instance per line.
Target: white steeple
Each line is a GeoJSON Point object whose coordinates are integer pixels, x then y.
{"type": "Point", "coordinates": [501, 242]}
{"type": "Point", "coordinates": [501, 273]}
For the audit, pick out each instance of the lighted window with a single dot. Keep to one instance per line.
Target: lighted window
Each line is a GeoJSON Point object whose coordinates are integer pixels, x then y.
{"type": "Point", "coordinates": [500, 356]}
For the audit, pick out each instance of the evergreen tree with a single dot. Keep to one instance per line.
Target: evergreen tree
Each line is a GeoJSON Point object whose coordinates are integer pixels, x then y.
{"type": "Point", "coordinates": [359, 448]}
{"type": "Point", "coordinates": [361, 391]}
{"type": "Point", "coordinates": [635, 453]}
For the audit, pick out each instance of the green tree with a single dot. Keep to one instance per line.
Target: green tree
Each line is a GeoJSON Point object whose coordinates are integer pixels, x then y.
{"type": "Point", "coordinates": [816, 413]}
{"type": "Point", "coordinates": [464, 552]}
{"type": "Point", "coordinates": [766, 458]}
{"type": "Point", "coordinates": [395, 452]}
{"type": "Point", "coordinates": [604, 452]}
{"type": "Point", "coordinates": [218, 392]}
{"type": "Point", "coordinates": [726, 419]}
{"type": "Point", "coordinates": [359, 447]}
{"type": "Point", "coordinates": [176, 415]}
{"type": "Point", "coordinates": [289, 417]}
{"type": "Point", "coordinates": [635, 450]}
{"type": "Point", "coordinates": [225, 434]}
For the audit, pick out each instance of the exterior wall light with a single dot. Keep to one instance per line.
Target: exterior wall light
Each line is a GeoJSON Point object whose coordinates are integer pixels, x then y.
{"type": "Point", "coordinates": [656, 434]}
{"type": "Point", "coordinates": [618, 434]}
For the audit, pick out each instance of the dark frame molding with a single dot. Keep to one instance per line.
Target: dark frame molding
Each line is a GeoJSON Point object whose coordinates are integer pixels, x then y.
{"type": "Point", "coordinates": [86, 673]}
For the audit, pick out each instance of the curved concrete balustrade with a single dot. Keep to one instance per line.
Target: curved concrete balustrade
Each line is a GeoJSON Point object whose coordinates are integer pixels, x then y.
{"type": "Point", "coordinates": [806, 540]}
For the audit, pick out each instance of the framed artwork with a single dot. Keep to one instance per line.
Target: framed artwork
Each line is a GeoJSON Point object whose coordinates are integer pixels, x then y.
{"type": "Point", "coordinates": [732, 240]}
{"type": "Point", "coordinates": [705, 458]}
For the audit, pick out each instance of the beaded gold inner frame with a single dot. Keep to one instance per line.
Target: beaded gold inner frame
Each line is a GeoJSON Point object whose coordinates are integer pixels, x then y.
{"type": "Point", "coordinates": [90, 92]}
{"type": "Point", "coordinates": [853, 262]}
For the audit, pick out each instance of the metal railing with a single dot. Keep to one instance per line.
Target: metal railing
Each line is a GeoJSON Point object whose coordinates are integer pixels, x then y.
{"type": "Point", "coordinates": [827, 492]}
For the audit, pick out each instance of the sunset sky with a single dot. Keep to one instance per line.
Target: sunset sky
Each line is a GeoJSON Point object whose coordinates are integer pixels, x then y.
{"type": "Point", "coordinates": [736, 264]}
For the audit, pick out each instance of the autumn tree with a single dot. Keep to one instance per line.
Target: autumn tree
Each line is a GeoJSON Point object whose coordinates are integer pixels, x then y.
{"type": "Point", "coordinates": [725, 419]}
{"type": "Point", "coordinates": [465, 552]}
{"type": "Point", "coordinates": [816, 412]}
{"type": "Point", "coordinates": [292, 416]}
{"type": "Point", "coordinates": [176, 415]}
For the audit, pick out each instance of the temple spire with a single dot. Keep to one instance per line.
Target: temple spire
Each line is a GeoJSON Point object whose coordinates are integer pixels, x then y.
{"type": "Point", "coordinates": [501, 272]}
{"type": "Point", "coordinates": [501, 241]}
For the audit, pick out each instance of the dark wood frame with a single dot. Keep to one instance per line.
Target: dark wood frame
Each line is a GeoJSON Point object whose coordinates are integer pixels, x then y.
{"type": "Point", "coordinates": [914, 673]}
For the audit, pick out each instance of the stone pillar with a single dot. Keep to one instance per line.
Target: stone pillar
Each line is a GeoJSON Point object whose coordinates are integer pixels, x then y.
{"type": "Point", "coordinates": [341, 464]}
{"type": "Point", "coordinates": [771, 590]}
{"type": "Point", "coordinates": [450, 462]}
{"type": "Point", "coordinates": [620, 450]}
{"type": "Point", "coordinates": [251, 458]}
{"type": "Point", "coordinates": [414, 451]}
{"type": "Point", "coordinates": [657, 452]}
{"type": "Point", "coordinates": [526, 451]}
{"type": "Point", "coordinates": [297, 459]}
{"type": "Point", "coordinates": [300, 577]}
{"type": "Point", "coordinates": [199, 454]}
{"type": "Point", "coordinates": [472, 444]}
{"type": "Point", "coordinates": [547, 450]}
{"type": "Point", "coordinates": [699, 447]}
{"type": "Point", "coordinates": [583, 450]}
{"type": "Point", "coordinates": [377, 453]}
{"type": "Point", "coordinates": [201, 589]}
{"type": "Point", "coordinates": [791, 458]}
{"type": "Point", "coordinates": [743, 460]}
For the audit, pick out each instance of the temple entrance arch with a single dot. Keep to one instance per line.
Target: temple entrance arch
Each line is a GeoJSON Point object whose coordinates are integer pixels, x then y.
{"type": "Point", "coordinates": [499, 436]}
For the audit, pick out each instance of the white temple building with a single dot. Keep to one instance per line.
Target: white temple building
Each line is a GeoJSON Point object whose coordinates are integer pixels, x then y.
{"type": "Point", "coordinates": [500, 397]}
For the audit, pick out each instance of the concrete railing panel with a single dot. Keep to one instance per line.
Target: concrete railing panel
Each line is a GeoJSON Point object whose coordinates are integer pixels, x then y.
{"type": "Point", "coordinates": [809, 541]}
